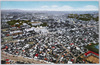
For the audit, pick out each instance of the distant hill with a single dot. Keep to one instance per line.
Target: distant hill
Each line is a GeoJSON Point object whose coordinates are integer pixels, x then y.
{"type": "Point", "coordinates": [52, 12]}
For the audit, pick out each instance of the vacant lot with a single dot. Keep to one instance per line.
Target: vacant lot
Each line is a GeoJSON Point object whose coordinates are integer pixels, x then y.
{"type": "Point", "coordinates": [93, 59]}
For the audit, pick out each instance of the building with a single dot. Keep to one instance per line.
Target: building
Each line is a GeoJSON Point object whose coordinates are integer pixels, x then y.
{"type": "Point", "coordinates": [89, 53]}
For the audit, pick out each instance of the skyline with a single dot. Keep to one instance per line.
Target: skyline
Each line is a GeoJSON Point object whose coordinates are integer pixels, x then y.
{"type": "Point", "coordinates": [51, 5]}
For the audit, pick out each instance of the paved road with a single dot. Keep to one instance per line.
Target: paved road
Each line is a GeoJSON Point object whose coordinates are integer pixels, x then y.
{"type": "Point", "coordinates": [59, 57]}
{"type": "Point", "coordinates": [20, 58]}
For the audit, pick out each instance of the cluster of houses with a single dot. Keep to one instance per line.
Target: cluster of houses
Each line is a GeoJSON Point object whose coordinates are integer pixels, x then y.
{"type": "Point", "coordinates": [51, 42]}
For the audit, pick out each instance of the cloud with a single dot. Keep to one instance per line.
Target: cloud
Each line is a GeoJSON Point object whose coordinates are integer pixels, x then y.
{"type": "Point", "coordinates": [91, 7]}
{"type": "Point", "coordinates": [45, 6]}
{"type": "Point", "coordinates": [57, 8]}
{"type": "Point", "coordinates": [54, 6]}
{"type": "Point", "coordinates": [88, 8]}
{"type": "Point", "coordinates": [66, 6]}
{"type": "Point", "coordinates": [69, 8]}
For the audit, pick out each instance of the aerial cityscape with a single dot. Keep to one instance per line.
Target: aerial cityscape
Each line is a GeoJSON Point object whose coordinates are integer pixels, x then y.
{"type": "Point", "coordinates": [49, 32]}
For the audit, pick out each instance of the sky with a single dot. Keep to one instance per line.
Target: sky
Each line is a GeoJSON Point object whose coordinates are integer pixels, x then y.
{"type": "Point", "coordinates": [51, 5]}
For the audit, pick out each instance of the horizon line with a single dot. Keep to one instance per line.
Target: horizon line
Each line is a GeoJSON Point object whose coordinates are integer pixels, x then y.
{"type": "Point", "coordinates": [48, 10]}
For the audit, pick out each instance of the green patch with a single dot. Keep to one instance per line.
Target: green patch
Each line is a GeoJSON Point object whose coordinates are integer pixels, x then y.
{"type": "Point", "coordinates": [44, 24]}
{"type": "Point", "coordinates": [13, 22]}
{"type": "Point", "coordinates": [84, 17]}
{"type": "Point", "coordinates": [92, 47]}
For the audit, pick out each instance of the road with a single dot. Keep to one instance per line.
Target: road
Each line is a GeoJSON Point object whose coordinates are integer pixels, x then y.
{"type": "Point", "coordinates": [59, 57]}
{"type": "Point", "coordinates": [20, 58]}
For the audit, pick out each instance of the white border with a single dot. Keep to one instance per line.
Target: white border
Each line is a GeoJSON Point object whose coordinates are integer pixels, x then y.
{"type": "Point", "coordinates": [49, 0]}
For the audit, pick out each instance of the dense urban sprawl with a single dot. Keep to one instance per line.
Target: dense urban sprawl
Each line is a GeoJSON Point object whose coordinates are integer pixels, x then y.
{"type": "Point", "coordinates": [58, 37]}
